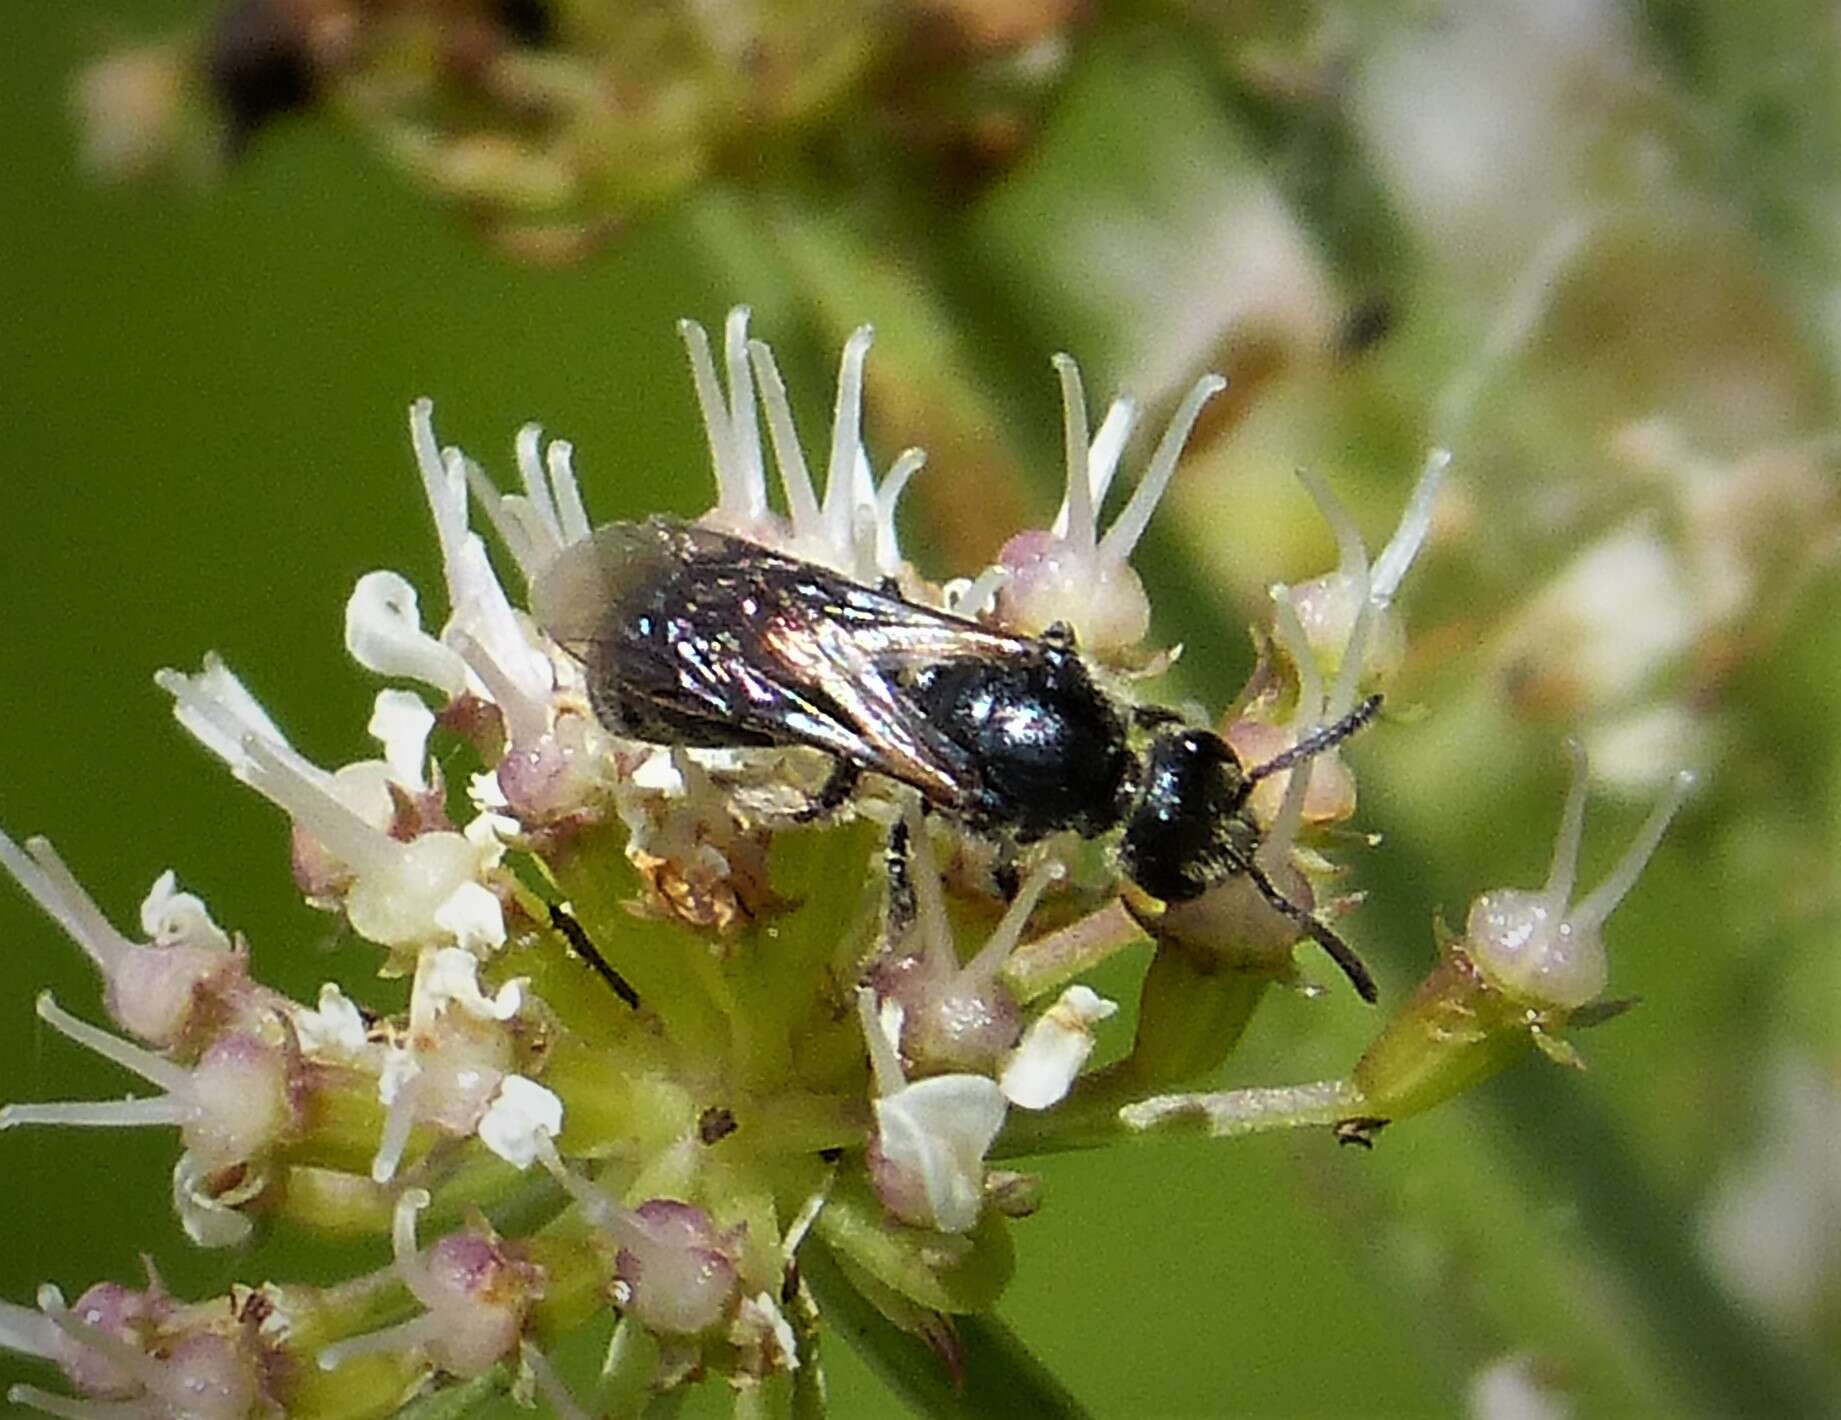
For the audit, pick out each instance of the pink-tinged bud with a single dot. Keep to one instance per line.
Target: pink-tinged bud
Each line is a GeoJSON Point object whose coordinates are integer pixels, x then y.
{"type": "Point", "coordinates": [117, 1311]}
{"type": "Point", "coordinates": [161, 992]}
{"type": "Point", "coordinates": [156, 993]}
{"type": "Point", "coordinates": [1233, 925]}
{"type": "Point", "coordinates": [106, 1346]}
{"type": "Point", "coordinates": [676, 1269]}
{"type": "Point", "coordinates": [1050, 580]}
{"type": "Point", "coordinates": [953, 1017]}
{"type": "Point", "coordinates": [949, 1021]}
{"type": "Point", "coordinates": [1331, 796]}
{"type": "Point", "coordinates": [231, 1108]}
{"type": "Point", "coordinates": [476, 1295]}
{"type": "Point", "coordinates": [209, 1377]}
{"type": "Point", "coordinates": [242, 1102]}
{"type": "Point", "coordinates": [1529, 960]}
{"type": "Point", "coordinates": [1072, 574]}
{"type": "Point", "coordinates": [477, 1291]}
{"type": "Point", "coordinates": [556, 777]}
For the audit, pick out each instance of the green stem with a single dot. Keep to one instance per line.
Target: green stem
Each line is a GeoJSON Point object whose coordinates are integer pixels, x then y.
{"type": "Point", "coordinates": [1002, 1378]}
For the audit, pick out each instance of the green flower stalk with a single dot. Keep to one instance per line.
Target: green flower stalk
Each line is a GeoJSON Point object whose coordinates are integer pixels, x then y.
{"type": "Point", "coordinates": [681, 1013]}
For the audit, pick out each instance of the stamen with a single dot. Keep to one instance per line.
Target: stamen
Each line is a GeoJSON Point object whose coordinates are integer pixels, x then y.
{"type": "Point", "coordinates": [1009, 931]}
{"type": "Point", "coordinates": [1122, 537]}
{"type": "Point", "coordinates": [155, 1069]}
{"type": "Point", "coordinates": [28, 1332]}
{"type": "Point", "coordinates": [343, 834]}
{"type": "Point", "coordinates": [1352, 554]}
{"type": "Point", "coordinates": [52, 886]}
{"type": "Point", "coordinates": [1292, 636]}
{"type": "Point", "coordinates": [1590, 914]}
{"type": "Point", "coordinates": [47, 1403]}
{"type": "Point", "coordinates": [399, 1122]}
{"type": "Point", "coordinates": [924, 873]}
{"type": "Point", "coordinates": [1103, 456]}
{"type": "Point", "coordinates": [1396, 559]}
{"type": "Point", "coordinates": [403, 1247]}
{"type": "Point", "coordinates": [884, 1061]}
{"type": "Point", "coordinates": [982, 591]}
{"type": "Point", "coordinates": [906, 465]}
{"type": "Point", "coordinates": [218, 712]}
{"type": "Point", "coordinates": [795, 479]}
{"type": "Point", "coordinates": [744, 429]}
{"type": "Point", "coordinates": [404, 1336]}
{"type": "Point", "coordinates": [528, 448]}
{"type": "Point", "coordinates": [846, 438]}
{"type": "Point", "coordinates": [526, 718]}
{"type": "Point", "coordinates": [517, 521]}
{"type": "Point", "coordinates": [443, 480]}
{"type": "Point", "coordinates": [571, 514]}
{"type": "Point", "coordinates": [1565, 870]}
{"type": "Point", "coordinates": [1349, 669]}
{"type": "Point", "coordinates": [1081, 532]}
{"type": "Point", "coordinates": [732, 490]}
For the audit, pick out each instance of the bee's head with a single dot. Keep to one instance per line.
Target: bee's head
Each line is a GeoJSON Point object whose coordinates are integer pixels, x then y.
{"type": "Point", "coordinates": [1186, 829]}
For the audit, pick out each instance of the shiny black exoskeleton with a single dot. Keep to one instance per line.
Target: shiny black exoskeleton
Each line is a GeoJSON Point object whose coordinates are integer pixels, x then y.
{"type": "Point", "coordinates": [692, 637]}
{"type": "Point", "coordinates": [1049, 749]}
{"type": "Point", "coordinates": [1188, 827]}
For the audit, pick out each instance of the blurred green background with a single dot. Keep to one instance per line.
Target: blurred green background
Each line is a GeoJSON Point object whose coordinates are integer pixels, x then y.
{"type": "Point", "coordinates": [203, 390]}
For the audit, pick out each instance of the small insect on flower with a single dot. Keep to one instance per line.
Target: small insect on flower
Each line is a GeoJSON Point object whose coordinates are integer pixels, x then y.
{"type": "Point", "coordinates": [692, 637]}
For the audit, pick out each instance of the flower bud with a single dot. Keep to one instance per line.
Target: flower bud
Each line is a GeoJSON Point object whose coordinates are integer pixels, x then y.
{"type": "Point", "coordinates": [1526, 963]}
{"type": "Point", "coordinates": [677, 1269]}
{"type": "Point", "coordinates": [1072, 575]}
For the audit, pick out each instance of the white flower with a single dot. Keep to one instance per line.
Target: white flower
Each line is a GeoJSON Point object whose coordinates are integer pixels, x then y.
{"type": "Point", "coordinates": [1040, 1071]}
{"type": "Point", "coordinates": [401, 723]}
{"type": "Point", "coordinates": [931, 1136]}
{"type": "Point", "coordinates": [448, 1066]}
{"type": "Point", "coordinates": [548, 516]}
{"type": "Point", "coordinates": [1072, 574]}
{"type": "Point", "coordinates": [853, 530]}
{"type": "Point", "coordinates": [1348, 611]}
{"type": "Point", "coordinates": [1769, 1225]}
{"type": "Point", "coordinates": [936, 1132]}
{"type": "Point", "coordinates": [220, 713]}
{"type": "Point", "coordinates": [1608, 624]}
{"type": "Point", "coordinates": [519, 1114]}
{"type": "Point", "coordinates": [475, 1294]}
{"type": "Point", "coordinates": [230, 1109]}
{"type": "Point", "coordinates": [171, 918]}
{"type": "Point", "coordinates": [1533, 945]}
{"type": "Point", "coordinates": [152, 990]}
{"type": "Point", "coordinates": [383, 633]}
{"type": "Point", "coordinates": [401, 895]}
{"type": "Point", "coordinates": [335, 1031]}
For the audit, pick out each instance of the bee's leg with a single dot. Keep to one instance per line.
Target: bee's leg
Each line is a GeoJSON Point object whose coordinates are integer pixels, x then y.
{"type": "Point", "coordinates": [838, 787]}
{"type": "Point", "coordinates": [898, 859]}
{"type": "Point", "coordinates": [577, 936]}
{"type": "Point", "coordinates": [1006, 874]}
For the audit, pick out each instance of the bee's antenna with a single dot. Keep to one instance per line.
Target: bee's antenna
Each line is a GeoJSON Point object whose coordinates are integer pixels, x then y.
{"type": "Point", "coordinates": [1340, 951]}
{"type": "Point", "coordinates": [1317, 741]}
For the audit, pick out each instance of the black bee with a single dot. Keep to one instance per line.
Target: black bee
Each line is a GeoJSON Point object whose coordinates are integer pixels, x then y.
{"type": "Point", "coordinates": [692, 637]}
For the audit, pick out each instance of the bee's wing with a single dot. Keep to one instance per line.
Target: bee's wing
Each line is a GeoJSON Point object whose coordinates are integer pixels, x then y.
{"type": "Point", "coordinates": [690, 636]}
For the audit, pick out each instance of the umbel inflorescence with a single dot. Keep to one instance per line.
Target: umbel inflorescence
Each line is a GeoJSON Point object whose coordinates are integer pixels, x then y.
{"type": "Point", "coordinates": [698, 1002]}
